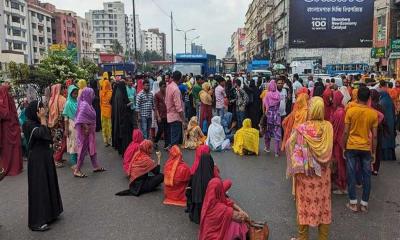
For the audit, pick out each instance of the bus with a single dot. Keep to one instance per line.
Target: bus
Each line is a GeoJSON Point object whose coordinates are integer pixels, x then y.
{"type": "Point", "coordinates": [208, 62]}
{"type": "Point", "coordinates": [346, 69]}
{"type": "Point", "coordinates": [118, 69]}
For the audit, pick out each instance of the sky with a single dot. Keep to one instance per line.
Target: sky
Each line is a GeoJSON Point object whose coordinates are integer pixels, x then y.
{"type": "Point", "coordinates": [214, 20]}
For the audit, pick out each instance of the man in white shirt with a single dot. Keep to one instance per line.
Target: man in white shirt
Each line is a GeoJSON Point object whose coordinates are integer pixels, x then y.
{"type": "Point", "coordinates": [284, 96]}
{"type": "Point", "coordinates": [220, 96]}
{"type": "Point", "coordinates": [296, 85]}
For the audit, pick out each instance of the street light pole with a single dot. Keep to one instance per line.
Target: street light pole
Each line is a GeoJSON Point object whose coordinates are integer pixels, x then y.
{"type": "Point", "coordinates": [185, 42]}
{"type": "Point", "coordinates": [185, 32]}
{"type": "Point", "coordinates": [134, 29]}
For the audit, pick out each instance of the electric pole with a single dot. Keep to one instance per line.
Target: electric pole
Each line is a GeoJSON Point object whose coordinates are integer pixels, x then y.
{"type": "Point", "coordinates": [134, 29]}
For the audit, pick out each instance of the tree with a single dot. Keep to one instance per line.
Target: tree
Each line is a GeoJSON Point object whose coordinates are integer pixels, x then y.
{"type": "Point", "coordinates": [117, 47]}
{"type": "Point", "coordinates": [90, 68]}
{"type": "Point", "coordinates": [149, 56]}
{"type": "Point", "coordinates": [19, 72]}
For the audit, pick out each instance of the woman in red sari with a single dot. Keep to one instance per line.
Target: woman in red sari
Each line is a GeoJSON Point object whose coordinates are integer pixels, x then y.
{"type": "Point", "coordinates": [327, 96]}
{"type": "Point", "coordinates": [337, 121]}
{"type": "Point", "coordinates": [137, 139]}
{"type": "Point", "coordinates": [202, 149]}
{"type": "Point", "coordinates": [221, 219]}
{"type": "Point", "coordinates": [176, 178]}
{"type": "Point", "coordinates": [10, 135]}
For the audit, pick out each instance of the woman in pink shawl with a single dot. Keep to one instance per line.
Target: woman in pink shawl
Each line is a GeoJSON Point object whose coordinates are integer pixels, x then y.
{"type": "Point", "coordinates": [327, 96]}
{"type": "Point", "coordinates": [272, 123]}
{"type": "Point", "coordinates": [85, 125]}
{"type": "Point", "coordinates": [337, 120]}
{"type": "Point", "coordinates": [137, 139]}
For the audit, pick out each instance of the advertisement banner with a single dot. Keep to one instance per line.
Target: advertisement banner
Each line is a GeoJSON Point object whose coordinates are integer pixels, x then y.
{"type": "Point", "coordinates": [378, 52]}
{"type": "Point", "coordinates": [395, 45]}
{"type": "Point", "coordinates": [330, 23]}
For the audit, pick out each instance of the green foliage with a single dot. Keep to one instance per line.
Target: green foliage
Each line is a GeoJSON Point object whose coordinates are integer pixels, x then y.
{"type": "Point", "coordinates": [88, 69]}
{"type": "Point", "coordinates": [149, 56]}
{"type": "Point", "coordinates": [117, 47]}
{"type": "Point", "coordinates": [18, 72]}
{"type": "Point", "coordinates": [60, 65]}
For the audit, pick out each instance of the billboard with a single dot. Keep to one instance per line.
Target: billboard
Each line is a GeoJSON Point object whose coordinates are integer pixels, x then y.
{"type": "Point", "coordinates": [331, 23]}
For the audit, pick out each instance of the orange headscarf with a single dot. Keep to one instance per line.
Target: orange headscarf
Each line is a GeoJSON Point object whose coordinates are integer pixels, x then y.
{"type": "Point", "coordinates": [141, 161]}
{"type": "Point", "coordinates": [296, 117]}
{"type": "Point", "coordinates": [105, 98]}
{"type": "Point", "coordinates": [175, 158]}
{"type": "Point", "coordinates": [56, 104]}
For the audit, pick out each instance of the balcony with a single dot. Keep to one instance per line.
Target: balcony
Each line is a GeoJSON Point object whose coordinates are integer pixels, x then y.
{"type": "Point", "coordinates": [14, 12]}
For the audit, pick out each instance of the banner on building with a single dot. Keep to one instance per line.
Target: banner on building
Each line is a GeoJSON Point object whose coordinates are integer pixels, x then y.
{"type": "Point", "coordinates": [395, 45]}
{"type": "Point", "coordinates": [331, 24]}
{"type": "Point", "coordinates": [379, 52]}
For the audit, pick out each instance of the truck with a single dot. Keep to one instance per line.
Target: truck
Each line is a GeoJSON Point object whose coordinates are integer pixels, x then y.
{"type": "Point", "coordinates": [202, 64]}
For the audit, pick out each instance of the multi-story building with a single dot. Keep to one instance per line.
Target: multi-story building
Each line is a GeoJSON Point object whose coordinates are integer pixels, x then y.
{"type": "Point", "coordinates": [109, 24]}
{"type": "Point", "coordinates": [85, 44]}
{"type": "Point", "coordinates": [39, 30]}
{"type": "Point", "coordinates": [154, 40]}
{"type": "Point", "coordinates": [65, 28]}
{"type": "Point", "coordinates": [238, 46]}
{"type": "Point", "coordinates": [197, 49]}
{"type": "Point", "coordinates": [267, 36]}
{"type": "Point", "coordinates": [131, 34]}
{"type": "Point", "coordinates": [14, 29]}
{"type": "Point", "coordinates": [386, 38]}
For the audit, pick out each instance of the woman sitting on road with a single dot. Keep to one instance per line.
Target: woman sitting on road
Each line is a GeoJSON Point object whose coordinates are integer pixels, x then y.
{"type": "Point", "coordinates": [220, 217]}
{"type": "Point", "coordinates": [216, 138]}
{"type": "Point", "coordinates": [144, 173]}
{"type": "Point", "coordinates": [176, 179]}
{"type": "Point", "coordinates": [247, 139]}
{"type": "Point", "coordinates": [204, 172]}
{"type": "Point", "coordinates": [137, 139]}
{"type": "Point", "coordinates": [194, 137]}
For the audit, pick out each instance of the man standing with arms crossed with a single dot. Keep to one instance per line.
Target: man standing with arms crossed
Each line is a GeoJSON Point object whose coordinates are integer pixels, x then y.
{"type": "Point", "coordinates": [175, 111]}
{"type": "Point", "coordinates": [360, 121]}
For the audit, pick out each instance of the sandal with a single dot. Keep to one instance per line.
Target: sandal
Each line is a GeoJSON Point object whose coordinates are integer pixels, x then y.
{"type": "Point", "coordinates": [364, 209]}
{"type": "Point", "coordinates": [99, 170]}
{"type": "Point", "coordinates": [80, 175]}
{"type": "Point", "coordinates": [352, 207]}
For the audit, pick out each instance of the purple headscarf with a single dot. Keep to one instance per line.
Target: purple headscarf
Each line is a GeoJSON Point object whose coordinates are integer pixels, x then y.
{"type": "Point", "coordinates": [86, 113]}
{"type": "Point", "coordinates": [273, 97]}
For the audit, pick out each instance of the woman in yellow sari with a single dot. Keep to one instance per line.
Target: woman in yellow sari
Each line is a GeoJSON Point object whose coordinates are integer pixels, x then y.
{"type": "Point", "coordinates": [81, 85]}
{"type": "Point", "coordinates": [309, 151]}
{"type": "Point", "coordinates": [105, 107]}
{"type": "Point", "coordinates": [246, 140]}
{"type": "Point", "coordinates": [295, 118]}
{"type": "Point", "coordinates": [194, 137]}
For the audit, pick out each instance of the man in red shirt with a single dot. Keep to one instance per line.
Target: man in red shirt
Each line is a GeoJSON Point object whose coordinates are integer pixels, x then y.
{"type": "Point", "coordinates": [161, 115]}
{"type": "Point", "coordinates": [175, 111]}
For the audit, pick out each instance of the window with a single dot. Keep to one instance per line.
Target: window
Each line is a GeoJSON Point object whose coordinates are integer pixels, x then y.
{"type": "Point", "coordinates": [17, 46]}
{"type": "Point", "coordinates": [24, 46]}
{"type": "Point", "coordinates": [398, 29]}
{"type": "Point", "coordinates": [48, 19]}
{"type": "Point", "coordinates": [34, 38]}
{"type": "Point", "coordinates": [15, 19]}
{"type": "Point", "coordinates": [14, 5]}
{"type": "Point", "coordinates": [116, 35]}
{"type": "Point", "coordinates": [41, 40]}
{"type": "Point", "coordinates": [23, 34]}
{"type": "Point", "coordinates": [33, 25]}
{"type": "Point", "coordinates": [110, 22]}
{"type": "Point", "coordinates": [17, 32]}
{"type": "Point", "coordinates": [7, 3]}
{"type": "Point", "coordinates": [10, 46]}
{"type": "Point", "coordinates": [33, 14]}
{"type": "Point", "coordinates": [23, 21]}
{"type": "Point", "coordinates": [48, 41]}
{"type": "Point", "coordinates": [48, 30]}
{"type": "Point", "coordinates": [35, 61]}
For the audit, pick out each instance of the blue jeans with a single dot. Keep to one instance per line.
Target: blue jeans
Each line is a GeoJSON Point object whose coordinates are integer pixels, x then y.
{"type": "Point", "coordinates": [363, 159]}
{"type": "Point", "coordinates": [220, 112]}
{"type": "Point", "coordinates": [240, 118]}
{"type": "Point", "coordinates": [145, 125]}
{"type": "Point", "coordinates": [175, 133]}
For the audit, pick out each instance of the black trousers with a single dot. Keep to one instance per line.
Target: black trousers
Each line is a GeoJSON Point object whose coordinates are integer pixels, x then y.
{"type": "Point", "coordinates": [162, 128]}
{"type": "Point", "coordinates": [149, 185]}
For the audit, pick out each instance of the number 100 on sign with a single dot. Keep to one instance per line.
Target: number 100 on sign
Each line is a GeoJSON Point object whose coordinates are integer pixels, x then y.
{"type": "Point", "coordinates": [318, 25]}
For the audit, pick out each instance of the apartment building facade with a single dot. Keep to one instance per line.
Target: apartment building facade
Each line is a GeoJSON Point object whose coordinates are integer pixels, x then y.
{"type": "Point", "coordinates": [154, 40]}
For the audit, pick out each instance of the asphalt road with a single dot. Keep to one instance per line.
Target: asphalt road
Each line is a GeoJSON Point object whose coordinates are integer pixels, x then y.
{"type": "Point", "coordinates": [93, 212]}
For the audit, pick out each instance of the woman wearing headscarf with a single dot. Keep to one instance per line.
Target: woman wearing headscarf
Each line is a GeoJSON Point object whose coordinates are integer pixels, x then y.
{"type": "Point", "coordinates": [85, 125]}
{"type": "Point", "coordinates": [337, 120]}
{"type": "Point", "coordinates": [10, 135]}
{"type": "Point", "coordinates": [389, 140]}
{"type": "Point", "coordinates": [205, 106]}
{"type": "Point", "coordinates": [327, 96]}
{"type": "Point", "coordinates": [56, 123]}
{"type": "Point", "coordinates": [176, 178]}
{"type": "Point", "coordinates": [137, 139]}
{"type": "Point", "coordinates": [105, 109]}
{"type": "Point", "coordinates": [96, 102]}
{"type": "Point", "coordinates": [81, 85]}
{"type": "Point", "coordinates": [273, 130]}
{"type": "Point", "coordinates": [121, 118]}
{"type": "Point", "coordinates": [194, 137]}
{"type": "Point", "coordinates": [197, 187]}
{"type": "Point", "coordinates": [44, 199]}
{"type": "Point", "coordinates": [375, 97]}
{"type": "Point", "coordinates": [346, 95]}
{"type": "Point", "coordinates": [309, 151]}
{"type": "Point", "coordinates": [69, 113]}
{"type": "Point", "coordinates": [246, 140]}
{"type": "Point", "coordinates": [144, 173]}
{"type": "Point", "coordinates": [254, 107]}
{"type": "Point", "coordinates": [354, 99]}
{"type": "Point", "coordinates": [203, 149]}
{"type": "Point", "coordinates": [295, 118]}
{"type": "Point", "coordinates": [220, 217]}
{"type": "Point", "coordinates": [318, 90]}
{"type": "Point", "coordinates": [216, 138]}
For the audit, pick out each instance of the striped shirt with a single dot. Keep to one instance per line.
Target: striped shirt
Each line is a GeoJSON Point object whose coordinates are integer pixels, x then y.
{"type": "Point", "coordinates": [145, 104]}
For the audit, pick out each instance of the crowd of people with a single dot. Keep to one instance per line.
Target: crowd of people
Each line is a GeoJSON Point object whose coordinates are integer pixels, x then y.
{"type": "Point", "coordinates": [334, 137]}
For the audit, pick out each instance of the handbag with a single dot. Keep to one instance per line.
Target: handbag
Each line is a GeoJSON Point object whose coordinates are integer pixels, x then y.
{"type": "Point", "coordinates": [258, 230]}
